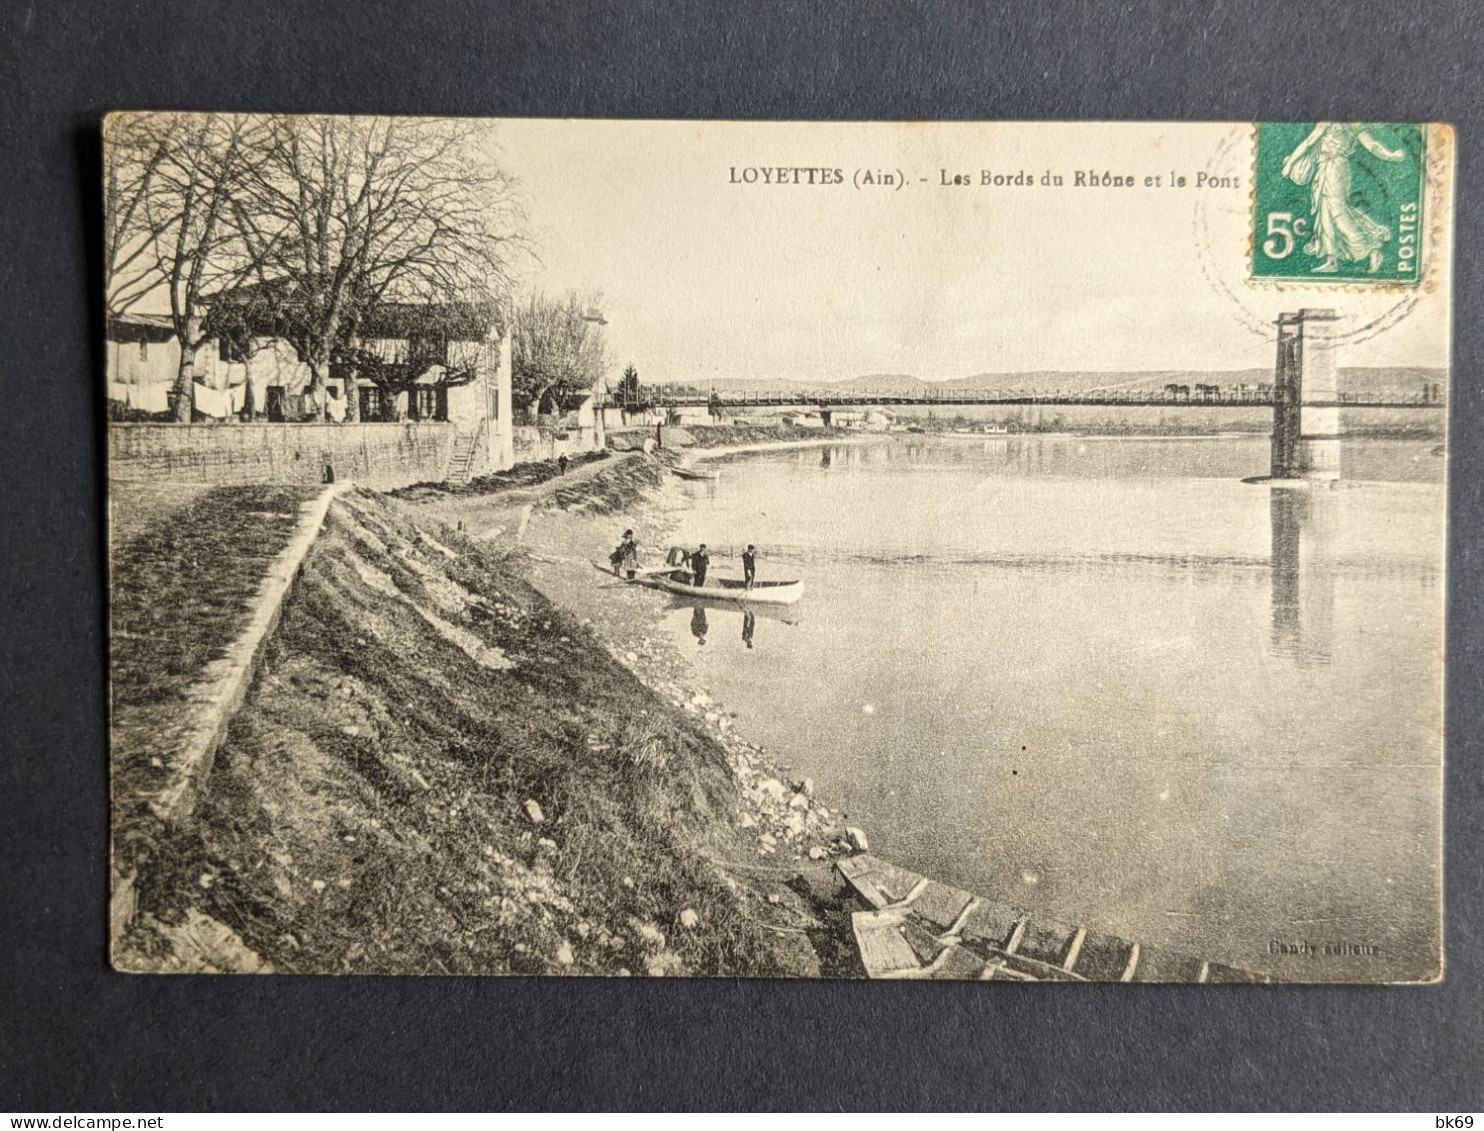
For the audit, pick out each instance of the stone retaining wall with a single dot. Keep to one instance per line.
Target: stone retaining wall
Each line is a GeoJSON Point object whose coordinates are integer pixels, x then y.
{"type": "Point", "coordinates": [535, 444]}
{"type": "Point", "coordinates": [377, 455]}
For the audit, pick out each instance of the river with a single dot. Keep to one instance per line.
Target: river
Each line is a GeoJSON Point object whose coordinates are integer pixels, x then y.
{"type": "Point", "coordinates": [1106, 680]}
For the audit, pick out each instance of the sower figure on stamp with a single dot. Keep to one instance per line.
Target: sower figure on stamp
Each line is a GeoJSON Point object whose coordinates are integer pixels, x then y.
{"type": "Point", "coordinates": [1341, 229]}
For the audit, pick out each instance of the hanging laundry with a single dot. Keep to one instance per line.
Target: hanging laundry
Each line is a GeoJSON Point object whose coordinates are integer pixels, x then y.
{"type": "Point", "coordinates": [210, 402]}
{"type": "Point", "coordinates": [150, 398]}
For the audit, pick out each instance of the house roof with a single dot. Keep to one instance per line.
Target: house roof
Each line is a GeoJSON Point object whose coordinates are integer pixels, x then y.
{"type": "Point", "coordinates": [140, 328]}
{"type": "Point", "coordinates": [265, 306]}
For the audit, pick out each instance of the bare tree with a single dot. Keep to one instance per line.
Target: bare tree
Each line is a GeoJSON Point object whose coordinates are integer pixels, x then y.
{"type": "Point", "coordinates": [401, 344]}
{"type": "Point", "coordinates": [557, 349]}
{"type": "Point", "coordinates": [134, 146]}
{"type": "Point", "coordinates": [172, 181]}
{"type": "Point", "coordinates": [344, 214]}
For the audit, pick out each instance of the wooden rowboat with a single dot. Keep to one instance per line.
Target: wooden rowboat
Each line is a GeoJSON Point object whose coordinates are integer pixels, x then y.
{"type": "Point", "coordinates": [677, 581]}
{"type": "Point", "coordinates": [692, 473]}
{"type": "Point", "coordinates": [727, 588]}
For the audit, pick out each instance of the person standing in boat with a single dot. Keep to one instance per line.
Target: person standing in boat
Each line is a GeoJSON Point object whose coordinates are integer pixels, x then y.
{"type": "Point", "coordinates": [626, 556]}
{"type": "Point", "coordinates": [700, 562]}
{"type": "Point", "coordinates": [749, 565]}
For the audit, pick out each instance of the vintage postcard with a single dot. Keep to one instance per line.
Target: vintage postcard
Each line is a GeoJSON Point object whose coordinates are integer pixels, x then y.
{"type": "Point", "coordinates": [992, 551]}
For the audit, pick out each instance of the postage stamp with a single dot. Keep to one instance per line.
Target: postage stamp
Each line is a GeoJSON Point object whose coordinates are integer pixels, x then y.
{"type": "Point", "coordinates": [1339, 201]}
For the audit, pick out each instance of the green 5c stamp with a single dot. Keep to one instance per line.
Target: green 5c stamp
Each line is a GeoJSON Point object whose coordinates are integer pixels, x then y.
{"type": "Point", "coordinates": [1338, 201]}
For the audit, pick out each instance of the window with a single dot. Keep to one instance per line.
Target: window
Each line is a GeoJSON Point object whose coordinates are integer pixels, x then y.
{"type": "Point", "coordinates": [427, 351]}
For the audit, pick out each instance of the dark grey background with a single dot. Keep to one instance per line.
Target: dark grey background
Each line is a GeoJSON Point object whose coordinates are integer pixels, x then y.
{"type": "Point", "coordinates": [74, 1036]}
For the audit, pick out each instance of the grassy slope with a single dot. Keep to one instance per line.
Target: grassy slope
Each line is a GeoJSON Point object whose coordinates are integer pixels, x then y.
{"type": "Point", "coordinates": [180, 591]}
{"type": "Point", "coordinates": [521, 475]}
{"type": "Point", "coordinates": [199, 569]}
{"type": "Point", "coordinates": [615, 487]}
{"type": "Point", "coordinates": [368, 811]}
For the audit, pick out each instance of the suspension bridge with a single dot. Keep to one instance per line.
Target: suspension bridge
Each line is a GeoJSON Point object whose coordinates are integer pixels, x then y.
{"type": "Point", "coordinates": [1304, 397]}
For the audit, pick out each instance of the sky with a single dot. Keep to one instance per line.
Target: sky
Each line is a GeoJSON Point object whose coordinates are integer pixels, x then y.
{"type": "Point", "coordinates": [705, 278]}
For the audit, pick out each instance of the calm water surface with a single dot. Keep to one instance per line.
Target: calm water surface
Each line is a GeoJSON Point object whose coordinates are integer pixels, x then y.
{"type": "Point", "coordinates": [1105, 679]}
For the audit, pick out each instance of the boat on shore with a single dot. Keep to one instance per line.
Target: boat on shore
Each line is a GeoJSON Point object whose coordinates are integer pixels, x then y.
{"type": "Point", "coordinates": [728, 589]}
{"type": "Point", "coordinates": [692, 473]}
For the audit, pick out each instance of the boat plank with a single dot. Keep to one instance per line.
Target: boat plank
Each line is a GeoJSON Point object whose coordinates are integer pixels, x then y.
{"type": "Point", "coordinates": [940, 905]}
{"type": "Point", "coordinates": [884, 952]}
{"type": "Point", "coordinates": [878, 882]}
{"type": "Point", "coordinates": [1156, 964]}
{"type": "Point", "coordinates": [960, 964]}
{"type": "Point", "coordinates": [1103, 957]}
{"type": "Point", "coordinates": [923, 941]}
{"type": "Point", "coordinates": [1046, 941]}
{"type": "Point", "coordinates": [991, 924]}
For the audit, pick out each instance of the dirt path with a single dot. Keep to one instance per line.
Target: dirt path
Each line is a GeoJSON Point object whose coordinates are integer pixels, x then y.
{"type": "Point", "coordinates": [503, 511]}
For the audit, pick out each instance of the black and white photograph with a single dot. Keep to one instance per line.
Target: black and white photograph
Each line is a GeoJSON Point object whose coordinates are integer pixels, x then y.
{"type": "Point", "coordinates": [983, 551]}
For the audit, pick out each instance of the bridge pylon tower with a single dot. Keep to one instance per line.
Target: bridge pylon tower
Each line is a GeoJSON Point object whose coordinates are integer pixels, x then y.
{"type": "Point", "coordinates": [1306, 434]}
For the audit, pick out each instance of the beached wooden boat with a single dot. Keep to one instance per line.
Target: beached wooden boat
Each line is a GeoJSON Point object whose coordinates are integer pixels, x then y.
{"type": "Point", "coordinates": [915, 927]}
{"type": "Point", "coordinates": [728, 589]}
{"type": "Point", "coordinates": [692, 473]}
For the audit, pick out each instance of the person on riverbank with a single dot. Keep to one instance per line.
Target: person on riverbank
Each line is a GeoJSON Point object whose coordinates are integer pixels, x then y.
{"type": "Point", "coordinates": [562, 462]}
{"type": "Point", "coordinates": [700, 562]}
{"type": "Point", "coordinates": [626, 556]}
{"type": "Point", "coordinates": [749, 565]}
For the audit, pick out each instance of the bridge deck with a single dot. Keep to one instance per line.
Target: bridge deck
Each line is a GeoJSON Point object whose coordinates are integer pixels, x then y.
{"type": "Point", "coordinates": [668, 397]}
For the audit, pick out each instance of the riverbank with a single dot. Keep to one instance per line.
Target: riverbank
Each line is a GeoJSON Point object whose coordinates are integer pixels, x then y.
{"type": "Point", "coordinates": [440, 769]}
{"type": "Point", "coordinates": [470, 751]}
{"type": "Point", "coordinates": [799, 839]}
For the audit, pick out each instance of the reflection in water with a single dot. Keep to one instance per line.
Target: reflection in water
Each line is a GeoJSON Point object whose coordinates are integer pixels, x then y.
{"type": "Point", "coordinates": [1126, 689]}
{"type": "Point", "coordinates": [839, 455]}
{"type": "Point", "coordinates": [698, 617]}
{"type": "Point", "coordinates": [1303, 574]}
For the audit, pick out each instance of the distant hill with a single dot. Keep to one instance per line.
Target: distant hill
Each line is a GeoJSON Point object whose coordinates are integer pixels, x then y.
{"type": "Point", "coordinates": [888, 383]}
{"type": "Point", "coordinates": [1356, 379]}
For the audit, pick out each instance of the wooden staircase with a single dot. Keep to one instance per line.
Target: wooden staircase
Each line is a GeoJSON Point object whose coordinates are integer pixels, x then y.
{"type": "Point", "coordinates": [461, 462]}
